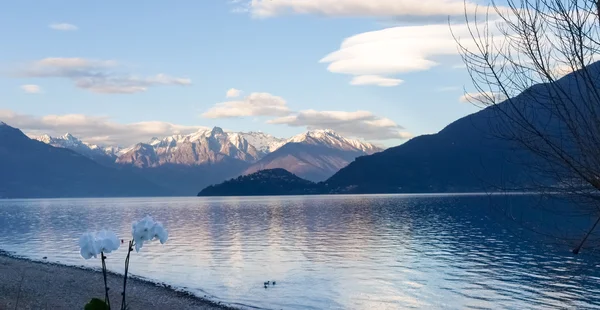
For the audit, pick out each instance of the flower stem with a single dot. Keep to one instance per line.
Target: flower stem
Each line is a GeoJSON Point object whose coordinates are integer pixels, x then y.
{"type": "Point", "coordinates": [123, 304]}
{"type": "Point", "coordinates": [106, 299]}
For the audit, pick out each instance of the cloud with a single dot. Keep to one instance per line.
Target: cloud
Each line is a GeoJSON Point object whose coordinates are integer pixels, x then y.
{"type": "Point", "coordinates": [63, 27]}
{"type": "Point", "coordinates": [255, 104]}
{"type": "Point", "coordinates": [399, 9]}
{"type": "Point", "coordinates": [94, 129]}
{"type": "Point", "coordinates": [99, 76]}
{"type": "Point", "coordinates": [482, 98]}
{"type": "Point", "coordinates": [447, 88]}
{"type": "Point", "coordinates": [233, 93]}
{"type": "Point", "coordinates": [127, 85]}
{"type": "Point", "coordinates": [362, 124]}
{"type": "Point", "coordinates": [375, 80]}
{"type": "Point", "coordinates": [395, 50]}
{"type": "Point", "coordinates": [31, 88]}
{"type": "Point", "coordinates": [561, 69]}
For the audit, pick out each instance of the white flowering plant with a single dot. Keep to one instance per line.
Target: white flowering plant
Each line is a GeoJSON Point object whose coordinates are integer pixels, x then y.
{"type": "Point", "coordinates": [104, 242]}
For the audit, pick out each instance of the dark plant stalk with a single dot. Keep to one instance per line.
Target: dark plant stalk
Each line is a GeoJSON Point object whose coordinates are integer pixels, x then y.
{"type": "Point", "coordinates": [123, 304]}
{"type": "Point", "coordinates": [19, 292]}
{"type": "Point", "coordinates": [106, 299]}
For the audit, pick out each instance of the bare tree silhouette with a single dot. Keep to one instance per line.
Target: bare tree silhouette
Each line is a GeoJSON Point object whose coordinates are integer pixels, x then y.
{"type": "Point", "coordinates": [517, 56]}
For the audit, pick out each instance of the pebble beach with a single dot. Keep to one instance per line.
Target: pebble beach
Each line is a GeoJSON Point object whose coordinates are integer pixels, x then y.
{"type": "Point", "coordinates": [26, 284]}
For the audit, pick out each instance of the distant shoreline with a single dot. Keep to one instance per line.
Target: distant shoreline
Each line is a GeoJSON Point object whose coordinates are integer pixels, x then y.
{"type": "Point", "coordinates": [46, 285]}
{"type": "Point", "coordinates": [292, 195]}
{"type": "Point", "coordinates": [388, 194]}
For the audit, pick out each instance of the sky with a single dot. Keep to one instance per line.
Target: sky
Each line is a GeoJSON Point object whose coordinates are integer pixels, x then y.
{"type": "Point", "coordinates": [121, 72]}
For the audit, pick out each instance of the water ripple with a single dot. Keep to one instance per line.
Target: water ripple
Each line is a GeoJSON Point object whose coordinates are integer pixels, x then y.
{"type": "Point", "coordinates": [349, 252]}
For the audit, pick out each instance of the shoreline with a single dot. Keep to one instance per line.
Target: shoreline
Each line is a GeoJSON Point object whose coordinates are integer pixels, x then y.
{"type": "Point", "coordinates": [29, 284]}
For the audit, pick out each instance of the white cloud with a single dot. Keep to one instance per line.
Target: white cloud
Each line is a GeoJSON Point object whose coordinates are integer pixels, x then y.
{"type": "Point", "coordinates": [127, 84]}
{"type": "Point", "coordinates": [233, 93]}
{"type": "Point", "coordinates": [94, 129]}
{"type": "Point", "coordinates": [57, 63]}
{"type": "Point", "coordinates": [482, 98]}
{"type": "Point", "coordinates": [394, 50]}
{"type": "Point", "coordinates": [398, 50]}
{"type": "Point", "coordinates": [31, 88]}
{"type": "Point", "coordinates": [447, 88]}
{"type": "Point", "coordinates": [99, 76]}
{"type": "Point", "coordinates": [361, 124]}
{"type": "Point", "coordinates": [255, 104]}
{"type": "Point", "coordinates": [63, 26]}
{"type": "Point", "coordinates": [375, 80]}
{"type": "Point", "coordinates": [429, 10]}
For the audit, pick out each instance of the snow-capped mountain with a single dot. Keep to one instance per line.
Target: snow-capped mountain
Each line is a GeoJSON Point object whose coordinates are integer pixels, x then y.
{"type": "Point", "coordinates": [205, 146]}
{"type": "Point", "coordinates": [207, 156]}
{"type": "Point", "coordinates": [314, 155]}
{"type": "Point", "coordinates": [332, 139]}
{"type": "Point", "coordinates": [264, 143]}
{"type": "Point", "coordinates": [68, 141]}
{"type": "Point", "coordinates": [65, 141]}
{"type": "Point", "coordinates": [112, 151]}
{"type": "Point", "coordinates": [202, 147]}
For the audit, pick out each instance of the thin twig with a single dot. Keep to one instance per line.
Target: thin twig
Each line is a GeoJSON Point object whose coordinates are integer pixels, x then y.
{"type": "Point", "coordinates": [578, 248]}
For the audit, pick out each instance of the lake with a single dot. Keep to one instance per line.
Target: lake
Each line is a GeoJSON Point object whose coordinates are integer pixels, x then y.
{"type": "Point", "coordinates": [325, 252]}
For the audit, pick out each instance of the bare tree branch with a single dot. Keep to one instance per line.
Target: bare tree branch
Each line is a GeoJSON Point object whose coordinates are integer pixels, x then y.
{"type": "Point", "coordinates": [517, 60]}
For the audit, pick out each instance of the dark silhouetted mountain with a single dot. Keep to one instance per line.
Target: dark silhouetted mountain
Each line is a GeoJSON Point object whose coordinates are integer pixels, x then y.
{"type": "Point", "coordinates": [470, 154]}
{"type": "Point", "coordinates": [459, 158]}
{"type": "Point", "coordinates": [315, 155]}
{"type": "Point", "coordinates": [264, 182]}
{"type": "Point", "coordinates": [31, 168]}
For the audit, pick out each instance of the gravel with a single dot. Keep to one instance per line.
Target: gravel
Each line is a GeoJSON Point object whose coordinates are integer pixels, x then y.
{"type": "Point", "coordinates": [27, 284]}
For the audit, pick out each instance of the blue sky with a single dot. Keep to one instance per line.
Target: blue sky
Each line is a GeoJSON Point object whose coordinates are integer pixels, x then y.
{"type": "Point", "coordinates": [124, 71]}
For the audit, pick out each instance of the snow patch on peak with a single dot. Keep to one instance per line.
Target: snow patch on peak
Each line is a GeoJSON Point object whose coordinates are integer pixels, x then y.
{"type": "Point", "coordinates": [332, 139]}
{"type": "Point", "coordinates": [263, 142]}
{"type": "Point", "coordinates": [44, 138]}
{"type": "Point", "coordinates": [68, 141]}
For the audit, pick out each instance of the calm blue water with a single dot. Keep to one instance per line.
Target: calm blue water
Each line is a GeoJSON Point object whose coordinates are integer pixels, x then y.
{"type": "Point", "coordinates": [344, 252]}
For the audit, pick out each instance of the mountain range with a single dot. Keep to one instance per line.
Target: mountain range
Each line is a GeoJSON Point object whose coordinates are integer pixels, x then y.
{"type": "Point", "coordinates": [314, 155]}
{"type": "Point", "coordinates": [181, 164]}
{"type": "Point", "coordinates": [469, 155]}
